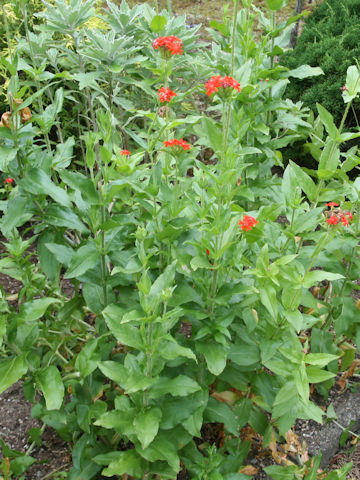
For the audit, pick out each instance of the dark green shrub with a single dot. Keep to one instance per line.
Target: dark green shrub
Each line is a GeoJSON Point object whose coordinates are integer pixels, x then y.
{"type": "Point", "coordinates": [330, 39]}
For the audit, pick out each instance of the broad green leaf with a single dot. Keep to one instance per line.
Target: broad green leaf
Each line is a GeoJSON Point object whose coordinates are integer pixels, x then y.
{"type": "Point", "coordinates": [315, 276]}
{"type": "Point", "coordinates": [20, 464]}
{"type": "Point", "coordinates": [329, 159]}
{"type": "Point", "coordinates": [50, 383]}
{"type": "Point", "coordinates": [302, 382]}
{"type": "Point", "coordinates": [84, 258]}
{"type": "Point", "coordinates": [221, 412]}
{"type": "Point", "coordinates": [163, 448]}
{"type": "Point", "coordinates": [215, 356]}
{"type": "Point", "coordinates": [87, 360]}
{"type": "Point", "coordinates": [38, 182]}
{"type": "Point", "coordinates": [305, 181]}
{"type": "Point", "coordinates": [158, 23]}
{"type": "Point", "coordinates": [179, 386]}
{"type": "Point", "coordinates": [64, 217]}
{"type": "Point", "coordinates": [170, 350]}
{"type": "Point", "coordinates": [131, 382]}
{"type": "Point", "coordinates": [127, 463]}
{"type": "Point", "coordinates": [320, 359]}
{"type": "Point", "coordinates": [242, 411]}
{"type": "Point", "coordinates": [352, 84]}
{"type": "Point", "coordinates": [268, 299]}
{"type": "Point", "coordinates": [286, 393]}
{"type": "Point", "coordinates": [64, 154]}
{"type": "Point", "coordinates": [200, 262]}
{"type": "Point", "coordinates": [11, 371]}
{"type": "Point", "coordinates": [316, 374]}
{"type": "Point", "coordinates": [243, 354]}
{"type": "Point", "coordinates": [275, 5]}
{"type": "Point", "coordinates": [83, 184]}
{"type": "Point", "coordinates": [328, 121]}
{"type": "Point", "coordinates": [163, 281]}
{"type": "Point", "coordinates": [146, 426]}
{"type": "Point", "coordinates": [35, 309]}
{"type": "Point", "coordinates": [194, 422]}
{"type": "Point", "coordinates": [278, 472]}
{"type": "Point", "coordinates": [305, 71]}
{"type": "Point", "coordinates": [125, 333]}
{"type": "Point", "coordinates": [62, 253]}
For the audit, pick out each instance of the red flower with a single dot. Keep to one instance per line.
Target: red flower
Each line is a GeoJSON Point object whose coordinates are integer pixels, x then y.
{"type": "Point", "coordinates": [165, 94]}
{"type": "Point", "coordinates": [125, 152]}
{"type": "Point", "coordinates": [343, 88]}
{"type": "Point", "coordinates": [344, 220]}
{"type": "Point", "coordinates": [247, 223]}
{"type": "Point", "coordinates": [207, 251]}
{"type": "Point", "coordinates": [332, 204]}
{"type": "Point", "coordinates": [9, 180]}
{"type": "Point", "coordinates": [333, 220]}
{"type": "Point", "coordinates": [174, 143]}
{"type": "Point", "coordinates": [171, 44]}
{"type": "Point", "coordinates": [217, 82]}
{"type": "Point", "coordinates": [349, 214]}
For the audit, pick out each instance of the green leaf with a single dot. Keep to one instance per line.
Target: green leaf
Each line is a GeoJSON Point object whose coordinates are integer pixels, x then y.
{"type": "Point", "coordinates": [275, 5]}
{"type": "Point", "coordinates": [87, 360]}
{"type": "Point", "coordinates": [64, 217]}
{"type": "Point", "coordinates": [215, 356]}
{"type": "Point", "coordinates": [305, 181]}
{"type": "Point", "coordinates": [79, 182]}
{"type": "Point", "coordinates": [305, 71]}
{"type": "Point", "coordinates": [316, 374]}
{"type": "Point", "coordinates": [179, 386]}
{"type": "Point", "coordinates": [329, 159]}
{"type": "Point", "coordinates": [221, 412]}
{"type": "Point", "coordinates": [64, 154]}
{"type": "Point", "coordinates": [278, 472]}
{"type": "Point", "coordinates": [163, 281]}
{"type": "Point", "coordinates": [62, 253]}
{"type": "Point", "coordinates": [170, 350]}
{"type": "Point", "coordinates": [352, 84]}
{"type": "Point", "coordinates": [286, 393]}
{"type": "Point", "coordinates": [123, 332]}
{"type": "Point", "coordinates": [11, 371]}
{"type": "Point", "coordinates": [50, 383]}
{"type": "Point", "coordinates": [84, 258]}
{"type": "Point", "coordinates": [128, 462]}
{"type": "Point", "coordinates": [244, 355]}
{"type": "Point", "coordinates": [163, 448]}
{"type": "Point", "coordinates": [20, 464]}
{"type": "Point", "coordinates": [146, 426]}
{"type": "Point", "coordinates": [268, 299]}
{"type": "Point", "coordinates": [242, 411]}
{"type": "Point", "coordinates": [320, 359]}
{"type": "Point", "coordinates": [315, 276]}
{"type": "Point", "coordinates": [157, 23]}
{"type": "Point", "coordinates": [37, 182]}
{"type": "Point", "coordinates": [200, 262]}
{"type": "Point", "coordinates": [328, 121]}
{"type": "Point", "coordinates": [302, 382]}
{"type": "Point", "coordinates": [194, 422]}
{"type": "Point", "coordinates": [131, 382]}
{"type": "Point", "coordinates": [35, 309]}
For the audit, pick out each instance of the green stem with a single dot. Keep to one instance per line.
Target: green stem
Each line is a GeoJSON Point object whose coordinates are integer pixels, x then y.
{"type": "Point", "coordinates": [33, 59]}
{"type": "Point", "coordinates": [7, 30]}
{"type": "Point", "coordinates": [103, 254]}
{"type": "Point", "coordinates": [236, 6]}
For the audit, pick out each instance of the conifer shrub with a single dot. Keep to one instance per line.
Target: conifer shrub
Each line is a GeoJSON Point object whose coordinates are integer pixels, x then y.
{"type": "Point", "coordinates": [330, 40]}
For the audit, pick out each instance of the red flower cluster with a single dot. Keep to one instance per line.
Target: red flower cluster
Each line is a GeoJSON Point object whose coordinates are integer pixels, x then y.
{"type": "Point", "coordinates": [125, 152]}
{"type": "Point", "coordinates": [345, 218]}
{"type": "Point", "coordinates": [165, 94]}
{"type": "Point", "coordinates": [217, 82]}
{"type": "Point", "coordinates": [9, 180]}
{"type": "Point", "coordinates": [172, 44]}
{"type": "Point", "coordinates": [332, 204]}
{"type": "Point", "coordinates": [180, 143]}
{"type": "Point", "coordinates": [247, 223]}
